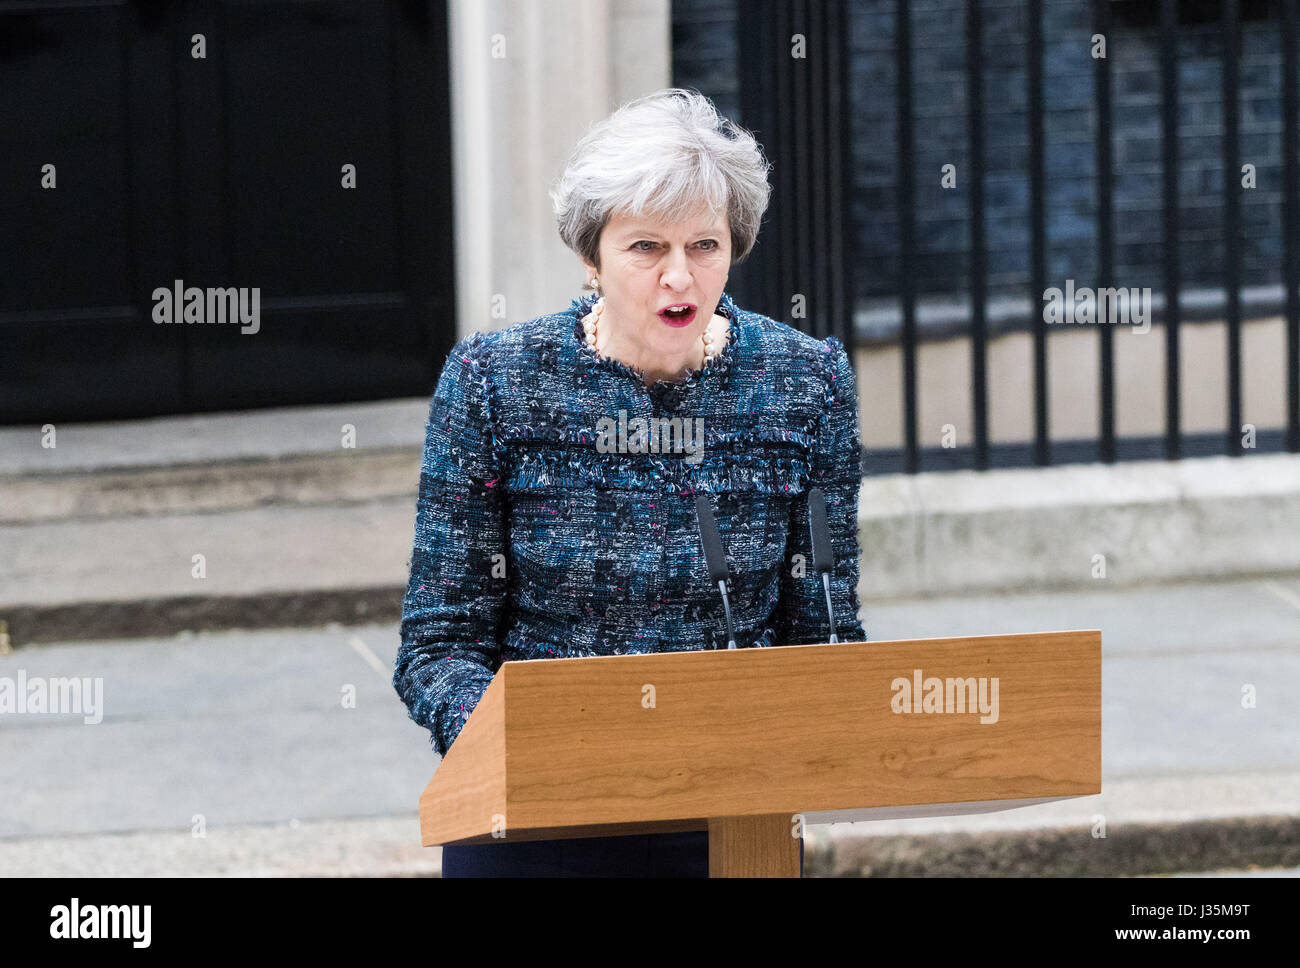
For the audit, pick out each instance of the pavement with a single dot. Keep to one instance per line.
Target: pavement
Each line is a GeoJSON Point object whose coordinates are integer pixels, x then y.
{"type": "Point", "coordinates": [234, 580]}
{"type": "Point", "coordinates": [243, 752]}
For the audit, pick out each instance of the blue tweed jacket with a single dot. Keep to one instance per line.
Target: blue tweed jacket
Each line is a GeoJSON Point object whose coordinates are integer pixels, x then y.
{"type": "Point", "coordinates": [552, 522]}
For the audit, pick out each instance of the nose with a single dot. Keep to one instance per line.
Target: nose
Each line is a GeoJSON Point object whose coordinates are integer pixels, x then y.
{"type": "Point", "coordinates": [677, 272]}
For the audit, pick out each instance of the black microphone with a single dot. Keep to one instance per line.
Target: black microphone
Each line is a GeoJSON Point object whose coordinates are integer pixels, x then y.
{"type": "Point", "coordinates": [713, 555]}
{"type": "Point", "coordinates": [823, 559]}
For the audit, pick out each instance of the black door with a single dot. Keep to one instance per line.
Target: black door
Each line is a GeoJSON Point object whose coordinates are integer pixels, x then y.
{"type": "Point", "coordinates": [305, 154]}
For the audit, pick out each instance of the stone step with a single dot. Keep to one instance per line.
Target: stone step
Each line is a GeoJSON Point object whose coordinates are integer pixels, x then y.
{"type": "Point", "coordinates": [262, 567]}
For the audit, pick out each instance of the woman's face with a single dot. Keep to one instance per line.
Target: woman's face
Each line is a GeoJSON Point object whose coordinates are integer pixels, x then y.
{"type": "Point", "coordinates": [647, 265]}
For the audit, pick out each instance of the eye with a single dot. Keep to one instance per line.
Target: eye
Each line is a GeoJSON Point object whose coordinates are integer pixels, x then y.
{"type": "Point", "coordinates": [642, 242]}
{"type": "Point", "coordinates": [712, 244]}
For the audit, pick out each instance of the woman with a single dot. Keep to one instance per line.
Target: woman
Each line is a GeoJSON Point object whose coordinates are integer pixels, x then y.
{"type": "Point", "coordinates": [552, 522]}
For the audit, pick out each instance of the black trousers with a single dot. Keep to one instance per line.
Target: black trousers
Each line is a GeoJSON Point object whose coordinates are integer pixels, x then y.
{"type": "Point", "coordinates": [638, 855]}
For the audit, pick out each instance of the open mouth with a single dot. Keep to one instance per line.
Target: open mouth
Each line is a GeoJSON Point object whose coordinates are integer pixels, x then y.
{"type": "Point", "coordinates": [678, 316]}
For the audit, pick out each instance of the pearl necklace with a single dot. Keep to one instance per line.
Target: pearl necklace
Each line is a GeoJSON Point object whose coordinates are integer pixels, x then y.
{"type": "Point", "coordinates": [712, 342]}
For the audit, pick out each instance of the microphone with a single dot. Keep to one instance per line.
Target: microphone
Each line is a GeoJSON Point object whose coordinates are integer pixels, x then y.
{"type": "Point", "coordinates": [713, 555]}
{"type": "Point", "coordinates": [823, 559]}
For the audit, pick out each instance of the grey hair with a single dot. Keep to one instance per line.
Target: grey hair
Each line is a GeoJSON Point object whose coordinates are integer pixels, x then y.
{"type": "Point", "coordinates": [662, 155]}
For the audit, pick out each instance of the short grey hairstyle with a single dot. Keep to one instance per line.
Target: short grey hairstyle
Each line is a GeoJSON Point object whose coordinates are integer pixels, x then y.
{"type": "Point", "coordinates": [662, 155]}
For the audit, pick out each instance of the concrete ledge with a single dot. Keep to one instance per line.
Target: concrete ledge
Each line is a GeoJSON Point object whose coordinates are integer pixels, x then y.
{"type": "Point", "coordinates": [1225, 843]}
{"type": "Point", "coordinates": [1005, 530]}
{"type": "Point", "coordinates": [341, 477]}
{"type": "Point", "coordinates": [265, 566]}
{"type": "Point", "coordinates": [1153, 823]}
{"type": "Point", "coordinates": [206, 437]}
{"type": "Point", "coordinates": [146, 617]}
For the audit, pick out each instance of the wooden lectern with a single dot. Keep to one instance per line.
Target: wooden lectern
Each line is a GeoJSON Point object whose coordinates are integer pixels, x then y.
{"type": "Point", "coordinates": [750, 744]}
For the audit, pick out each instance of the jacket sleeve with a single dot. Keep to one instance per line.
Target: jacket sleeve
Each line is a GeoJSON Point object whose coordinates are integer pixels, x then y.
{"type": "Point", "coordinates": [456, 593]}
{"type": "Point", "coordinates": [836, 468]}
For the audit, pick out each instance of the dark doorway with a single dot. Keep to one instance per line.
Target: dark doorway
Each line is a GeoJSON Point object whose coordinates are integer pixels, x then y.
{"type": "Point", "coordinates": [222, 171]}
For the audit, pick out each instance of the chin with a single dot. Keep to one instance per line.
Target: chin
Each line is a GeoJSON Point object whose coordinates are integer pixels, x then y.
{"type": "Point", "coordinates": [673, 342]}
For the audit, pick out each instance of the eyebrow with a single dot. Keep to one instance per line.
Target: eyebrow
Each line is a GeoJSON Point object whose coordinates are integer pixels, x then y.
{"type": "Point", "coordinates": [641, 230]}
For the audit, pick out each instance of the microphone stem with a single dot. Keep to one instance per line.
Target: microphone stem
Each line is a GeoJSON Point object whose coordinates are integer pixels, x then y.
{"type": "Point", "coordinates": [826, 587]}
{"type": "Point", "coordinates": [726, 609]}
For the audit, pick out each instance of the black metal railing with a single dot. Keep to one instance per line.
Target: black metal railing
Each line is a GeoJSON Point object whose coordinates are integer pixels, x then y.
{"type": "Point", "coordinates": [1291, 221]}
{"type": "Point", "coordinates": [797, 107]}
{"type": "Point", "coordinates": [800, 109]}
{"type": "Point", "coordinates": [1174, 443]}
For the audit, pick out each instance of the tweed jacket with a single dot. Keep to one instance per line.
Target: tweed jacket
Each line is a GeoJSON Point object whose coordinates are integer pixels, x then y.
{"type": "Point", "coordinates": [556, 511]}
